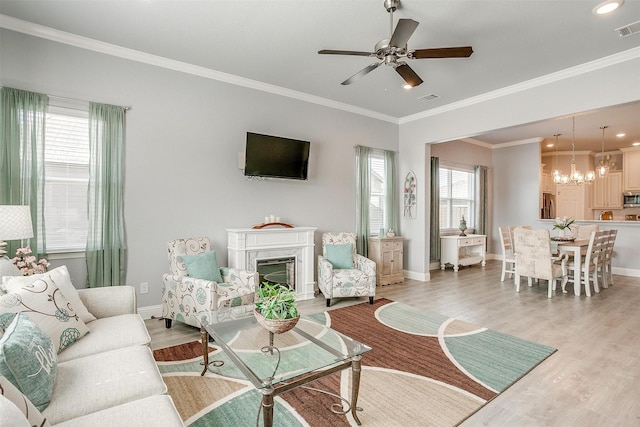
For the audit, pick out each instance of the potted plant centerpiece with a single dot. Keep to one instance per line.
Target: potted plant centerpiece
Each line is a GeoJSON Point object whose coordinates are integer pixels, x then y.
{"type": "Point", "coordinates": [564, 225]}
{"type": "Point", "coordinates": [276, 307]}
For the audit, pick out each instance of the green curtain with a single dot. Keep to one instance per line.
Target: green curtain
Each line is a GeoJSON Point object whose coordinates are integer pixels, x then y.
{"type": "Point", "coordinates": [105, 253]}
{"type": "Point", "coordinates": [434, 243]}
{"type": "Point", "coordinates": [363, 198]}
{"type": "Point", "coordinates": [482, 203]}
{"type": "Point", "coordinates": [391, 191]}
{"type": "Point", "coordinates": [22, 126]}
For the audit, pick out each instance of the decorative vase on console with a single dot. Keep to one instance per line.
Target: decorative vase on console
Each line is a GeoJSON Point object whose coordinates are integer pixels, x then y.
{"type": "Point", "coordinates": [463, 226]}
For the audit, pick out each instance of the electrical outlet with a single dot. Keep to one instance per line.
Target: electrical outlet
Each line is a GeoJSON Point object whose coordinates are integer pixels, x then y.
{"type": "Point", "coordinates": [144, 288]}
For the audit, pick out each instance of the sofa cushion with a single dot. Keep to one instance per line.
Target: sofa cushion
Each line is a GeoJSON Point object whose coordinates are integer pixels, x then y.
{"type": "Point", "coordinates": [28, 360]}
{"type": "Point", "coordinates": [11, 415]}
{"type": "Point", "coordinates": [340, 255]}
{"type": "Point", "coordinates": [156, 411]}
{"type": "Point", "coordinates": [43, 302]}
{"type": "Point", "coordinates": [94, 383]}
{"type": "Point", "coordinates": [203, 266]}
{"type": "Point", "coordinates": [62, 279]}
{"type": "Point", "coordinates": [31, 414]}
{"type": "Point", "coordinates": [107, 334]}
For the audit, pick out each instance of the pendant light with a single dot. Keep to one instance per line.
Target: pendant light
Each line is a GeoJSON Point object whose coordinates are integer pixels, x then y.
{"type": "Point", "coordinates": [557, 175]}
{"type": "Point", "coordinates": [603, 168]}
{"type": "Point", "coordinates": [576, 177]}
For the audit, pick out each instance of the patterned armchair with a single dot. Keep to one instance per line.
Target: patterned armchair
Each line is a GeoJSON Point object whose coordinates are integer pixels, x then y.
{"type": "Point", "coordinates": [356, 281]}
{"type": "Point", "coordinates": [186, 299]}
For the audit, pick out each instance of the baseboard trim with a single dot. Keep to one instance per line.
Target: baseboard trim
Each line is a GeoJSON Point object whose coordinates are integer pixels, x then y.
{"type": "Point", "coordinates": [422, 277]}
{"type": "Point", "coordinates": [153, 311]}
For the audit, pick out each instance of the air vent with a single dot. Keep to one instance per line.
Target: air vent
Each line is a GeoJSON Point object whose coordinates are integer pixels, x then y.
{"type": "Point", "coordinates": [628, 30]}
{"type": "Point", "coordinates": [429, 97]}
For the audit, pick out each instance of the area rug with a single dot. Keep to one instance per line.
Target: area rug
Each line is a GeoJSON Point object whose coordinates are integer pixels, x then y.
{"type": "Point", "coordinates": [425, 369]}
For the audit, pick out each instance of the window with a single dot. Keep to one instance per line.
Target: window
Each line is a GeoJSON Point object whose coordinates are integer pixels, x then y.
{"type": "Point", "coordinates": [66, 158]}
{"type": "Point", "coordinates": [457, 197]}
{"type": "Point", "coordinates": [378, 196]}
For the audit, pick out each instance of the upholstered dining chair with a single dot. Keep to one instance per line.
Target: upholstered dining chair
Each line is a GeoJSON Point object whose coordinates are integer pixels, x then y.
{"type": "Point", "coordinates": [583, 232]}
{"type": "Point", "coordinates": [195, 284]}
{"type": "Point", "coordinates": [342, 272]}
{"type": "Point", "coordinates": [534, 259]}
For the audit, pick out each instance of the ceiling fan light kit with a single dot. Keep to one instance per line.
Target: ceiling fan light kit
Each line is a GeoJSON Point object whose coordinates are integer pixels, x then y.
{"type": "Point", "coordinates": [390, 51]}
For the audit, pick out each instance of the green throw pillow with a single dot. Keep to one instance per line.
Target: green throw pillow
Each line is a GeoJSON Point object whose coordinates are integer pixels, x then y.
{"type": "Point", "coordinates": [340, 256]}
{"type": "Point", "coordinates": [203, 266]}
{"type": "Point", "coordinates": [28, 360]}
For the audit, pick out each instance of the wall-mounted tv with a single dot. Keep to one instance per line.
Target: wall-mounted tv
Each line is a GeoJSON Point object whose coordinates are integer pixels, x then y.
{"type": "Point", "coordinates": [276, 157]}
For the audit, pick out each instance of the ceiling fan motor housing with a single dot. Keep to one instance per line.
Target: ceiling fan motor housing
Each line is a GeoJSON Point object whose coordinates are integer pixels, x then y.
{"type": "Point", "coordinates": [391, 5]}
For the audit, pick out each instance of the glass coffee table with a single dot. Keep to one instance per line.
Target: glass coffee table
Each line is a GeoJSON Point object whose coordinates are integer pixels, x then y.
{"type": "Point", "coordinates": [277, 363]}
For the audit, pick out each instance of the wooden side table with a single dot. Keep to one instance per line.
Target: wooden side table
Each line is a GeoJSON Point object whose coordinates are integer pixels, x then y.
{"type": "Point", "coordinates": [387, 253]}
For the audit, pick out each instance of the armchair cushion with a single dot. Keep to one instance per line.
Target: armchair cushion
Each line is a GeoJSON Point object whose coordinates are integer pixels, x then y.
{"type": "Point", "coordinates": [203, 266]}
{"type": "Point", "coordinates": [340, 255]}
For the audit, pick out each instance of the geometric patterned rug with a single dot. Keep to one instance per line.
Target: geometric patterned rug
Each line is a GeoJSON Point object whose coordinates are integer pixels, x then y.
{"type": "Point", "coordinates": [424, 369]}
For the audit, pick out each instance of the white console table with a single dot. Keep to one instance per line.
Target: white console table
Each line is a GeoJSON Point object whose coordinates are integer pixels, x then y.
{"type": "Point", "coordinates": [462, 250]}
{"type": "Point", "coordinates": [247, 246]}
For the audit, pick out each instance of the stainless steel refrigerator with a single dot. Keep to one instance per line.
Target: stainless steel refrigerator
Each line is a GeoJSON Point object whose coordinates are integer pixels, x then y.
{"type": "Point", "coordinates": [548, 206]}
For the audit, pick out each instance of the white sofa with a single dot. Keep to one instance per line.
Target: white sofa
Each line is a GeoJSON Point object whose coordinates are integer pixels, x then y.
{"type": "Point", "coordinates": [109, 376]}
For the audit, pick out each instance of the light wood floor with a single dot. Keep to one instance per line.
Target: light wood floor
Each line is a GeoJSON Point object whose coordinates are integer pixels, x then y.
{"type": "Point", "coordinates": [592, 380]}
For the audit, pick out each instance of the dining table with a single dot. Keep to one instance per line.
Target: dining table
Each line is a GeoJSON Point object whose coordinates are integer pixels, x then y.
{"type": "Point", "coordinates": [575, 248]}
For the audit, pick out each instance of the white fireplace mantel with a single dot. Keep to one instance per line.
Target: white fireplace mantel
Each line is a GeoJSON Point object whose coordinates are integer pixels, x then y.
{"type": "Point", "coordinates": [247, 245]}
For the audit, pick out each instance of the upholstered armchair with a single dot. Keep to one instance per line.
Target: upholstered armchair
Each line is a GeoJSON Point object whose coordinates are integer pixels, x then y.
{"type": "Point", "coordinates": [188, 297]}
{"type": "Point", "coordinates": [342, 272]}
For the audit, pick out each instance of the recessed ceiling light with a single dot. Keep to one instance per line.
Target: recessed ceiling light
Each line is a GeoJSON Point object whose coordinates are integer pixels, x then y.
{"type": "Point", "coordinates": [549, 145]}
{"type": "Point", "coordinates": [620, 135]}
{"type": "Point", "coordinates": [607, 7]}
{"type": "Point", "coordinates": [636, 144]}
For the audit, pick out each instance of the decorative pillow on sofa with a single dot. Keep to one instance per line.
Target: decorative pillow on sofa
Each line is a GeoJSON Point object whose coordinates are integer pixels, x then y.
{"type": "Point", "coordinates": [45, 305]}
{"type": "Point", "coordinates": [340, 255]}
{"type": "Point", "coordinates": [62, 279]}
{"type": "Point", "coordinates": [203, 266]}
{"type": "Point", "coordinates": [28, 359]}
{"type": "Point", "coordinates": [31, 414]}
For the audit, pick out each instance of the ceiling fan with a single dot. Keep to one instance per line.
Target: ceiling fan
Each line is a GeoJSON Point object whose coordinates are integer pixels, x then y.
{"type": "Point", "coordinates": [390, 51]}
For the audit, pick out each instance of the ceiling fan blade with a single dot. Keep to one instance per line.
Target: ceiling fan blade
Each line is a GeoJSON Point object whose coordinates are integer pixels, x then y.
{"type": "Point", "coordinates": [404, 30]}
{"type": "Point", "coordinates": [344, 52]}
{"type": "Point", "coordinates": [442, 52]}
{"type": "Point", "coordinates": [361, 73]}
{"type": "Point", "coordinates": [408, 75]}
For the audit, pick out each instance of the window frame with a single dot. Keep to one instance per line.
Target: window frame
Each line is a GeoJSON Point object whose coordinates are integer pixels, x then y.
{"type": "Point", "coordinates": [470, 217]}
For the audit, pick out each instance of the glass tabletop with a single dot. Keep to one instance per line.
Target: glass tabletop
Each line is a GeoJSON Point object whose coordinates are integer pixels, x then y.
{"type": "Point", "coordinates": [248, 352]}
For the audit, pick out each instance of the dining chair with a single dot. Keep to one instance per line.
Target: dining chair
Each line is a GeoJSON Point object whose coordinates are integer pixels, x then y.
{"type": "Point", "coordinates": [608, 256]}
{"type": "Point", "coordinates": [591, 264]}
{"type": "Point", "coordinates": [508, 257]}
{"type": "Point", "coordinates": [534, 260]}
{"type": "Point", "coordinates": [583, 232]}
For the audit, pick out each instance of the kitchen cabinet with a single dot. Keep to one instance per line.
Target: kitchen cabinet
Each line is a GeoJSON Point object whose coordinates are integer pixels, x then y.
{"type": "Point", "coordinates": [548, 186]}
{"type": "Point", "coordinates": [607, 191]}
{"type": "Point", "coordinates": [462, 250]}
{"type": "Point", "coordinates": [387, 253]}
{"type": "Point", "coordinates": [574, 201]}
{"type": "Point", "coordinates": [631, 169]}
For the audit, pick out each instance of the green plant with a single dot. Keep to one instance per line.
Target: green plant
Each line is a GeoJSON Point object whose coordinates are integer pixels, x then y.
{"type": "Point", "coordinates": [564, 222]}
{"type": "Point", "coordinates": [277, 301]}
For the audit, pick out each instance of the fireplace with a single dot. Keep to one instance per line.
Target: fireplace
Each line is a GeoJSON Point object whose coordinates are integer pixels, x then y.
{"type": "Point", "coordinates": [277, 270]}
{"type": "Point", "coordinates": [255, 249]}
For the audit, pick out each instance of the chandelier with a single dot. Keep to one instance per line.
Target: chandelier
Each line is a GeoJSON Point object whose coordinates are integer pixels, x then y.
{"type": "Point", "coordinates": [575, 177]}
{"type": "Point", "coordinates": [603, 168]}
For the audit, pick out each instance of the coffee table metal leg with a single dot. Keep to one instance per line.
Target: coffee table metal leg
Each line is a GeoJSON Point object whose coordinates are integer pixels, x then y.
{"type": "Point", "coordinates": [267, 406]}
{"type": "Point", "coordinates": [204, 338]}
{"type": "Point", "coordinates": [355, 386]}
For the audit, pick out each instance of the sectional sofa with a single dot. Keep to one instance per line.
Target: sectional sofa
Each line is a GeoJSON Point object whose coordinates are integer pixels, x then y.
{"type": "Point", "coordinates": [104, 376]}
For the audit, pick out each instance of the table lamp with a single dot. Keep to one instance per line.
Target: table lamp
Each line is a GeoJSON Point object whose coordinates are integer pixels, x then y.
{"type": "Point", "coordinates": [15, 224]}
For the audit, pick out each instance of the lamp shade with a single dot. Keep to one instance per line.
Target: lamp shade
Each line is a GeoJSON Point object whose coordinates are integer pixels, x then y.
{"type": "Point", "coordinates": [15, 222]}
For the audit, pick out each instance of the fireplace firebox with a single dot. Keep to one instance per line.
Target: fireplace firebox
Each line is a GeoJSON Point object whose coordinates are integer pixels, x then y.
{"type": "Point", "coordinates": [277, 270]}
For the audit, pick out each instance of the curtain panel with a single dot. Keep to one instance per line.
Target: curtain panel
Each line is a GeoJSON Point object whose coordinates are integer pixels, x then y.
{"type": "Point", "coordinates": [105, 252]}
{"type": "Point", "coordinates": [391, 191]}
{"type": "Point", "coordinates": [363, 198]}
{"type": "Point", "coordinates": [482, 204]}
{"type": "Point", "coordinates": [434, 211]}
{"type": "Point", "coordinates": [22, 124]}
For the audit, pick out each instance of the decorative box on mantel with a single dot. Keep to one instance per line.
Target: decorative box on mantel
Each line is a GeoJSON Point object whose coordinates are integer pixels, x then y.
{"type": "Point", "coordinates": [248, 248]}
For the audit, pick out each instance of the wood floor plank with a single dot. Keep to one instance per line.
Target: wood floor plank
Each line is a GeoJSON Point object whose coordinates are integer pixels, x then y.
{"type": "Point", "coordinates": [592, 380]}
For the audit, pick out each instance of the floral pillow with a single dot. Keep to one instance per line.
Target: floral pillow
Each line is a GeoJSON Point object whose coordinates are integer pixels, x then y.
{"type": "Point", "coordinates": [45, 305]}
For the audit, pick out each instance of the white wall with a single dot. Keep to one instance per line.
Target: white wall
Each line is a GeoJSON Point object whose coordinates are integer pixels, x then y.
{"type": "Point", "coordinates": [183, 136]}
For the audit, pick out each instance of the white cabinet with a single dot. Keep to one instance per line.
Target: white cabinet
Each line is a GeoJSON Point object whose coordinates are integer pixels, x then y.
{"type": "Point", "coordinates": [387, 253]}
{"type": "Point", "coordinates": [574, 201]}
{"type": "Point", "coordinates": [462, 250]}
{"type": "Point", "coordinates": [631, 169]}
{"type": "Point", "coordinates": [548, 186]}
{"type": "Point", "coordinates": [607, 191]}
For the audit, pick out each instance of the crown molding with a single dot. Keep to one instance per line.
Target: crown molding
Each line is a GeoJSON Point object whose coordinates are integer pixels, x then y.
{"type": "Point", "coordinates": [41, 31]}
{"type": "Point", "coordinates": [577, 70]}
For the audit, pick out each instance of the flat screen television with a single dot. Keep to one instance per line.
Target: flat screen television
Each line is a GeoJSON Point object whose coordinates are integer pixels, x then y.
{"type": "Point", "coordinates": [276, 157]}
